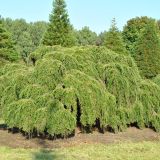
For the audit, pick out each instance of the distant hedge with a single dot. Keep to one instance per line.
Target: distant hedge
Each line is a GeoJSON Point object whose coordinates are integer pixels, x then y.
{"type": "Point", "coordinates": [81, 86]}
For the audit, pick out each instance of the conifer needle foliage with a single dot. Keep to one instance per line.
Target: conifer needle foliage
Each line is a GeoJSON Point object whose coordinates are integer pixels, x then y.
{"type": "Point", "coordinates": [74, 86]}
{"type": "Point", "coordinates": [59, 31]}
{"type": "Point", "coordinates": [7, 50]}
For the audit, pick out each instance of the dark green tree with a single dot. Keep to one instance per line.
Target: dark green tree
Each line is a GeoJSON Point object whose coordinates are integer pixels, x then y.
{"type": "Point", "coordinates": [132, 30]}
{"type": "Point", "coordinates": [7, 50]}
{"type": "Point", "coordinates": [113, 39]}
{"type": "Point", "coordinates": [147, 52]}
{"type": "Point", "coordinates": [59, 30]}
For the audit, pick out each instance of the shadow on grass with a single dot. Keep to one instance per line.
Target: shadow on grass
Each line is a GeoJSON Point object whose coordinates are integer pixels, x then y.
{"type": "Point", "coordinates": [45, 153]}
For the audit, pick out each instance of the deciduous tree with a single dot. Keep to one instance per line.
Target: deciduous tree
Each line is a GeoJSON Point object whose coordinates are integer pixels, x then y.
{"type": "Point", "coordinates": [86, 37]}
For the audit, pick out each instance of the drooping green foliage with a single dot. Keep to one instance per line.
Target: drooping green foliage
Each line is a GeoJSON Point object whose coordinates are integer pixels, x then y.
{"type": "Point", "coordinates": [113, 39]}
{"type": "Point", "coordinates": [149, 96]}
{"type": "Point", "coordinates": [147, 52]}
{"type": "Point", "coordinates": [7, 50]}
{"type": "Point", "coordinates": [59, 30]}
{"type": "Point", "coordinates": [2, 63]}
{"type": "Point", "coordinates": [157, 80]}
{"type": "Point", "coordinates": [132, 31]}
{"type": "Point", "coordinates": [84, 86]}
{"type": "Point", "coordinates": [39, 53]}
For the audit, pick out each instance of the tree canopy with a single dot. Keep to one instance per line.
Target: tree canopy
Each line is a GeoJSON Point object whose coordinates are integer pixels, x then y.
{"type": "Point", "coordinates": [132, 31]}
{"type": "Point", "coordinates": [113, 39]}
{"type": "Point", "coordinates": [147, 52]}
{"type": "Point", "coordinates": [86, 37]}
{"type": "Point", "coordinates": [26, 36]}
{"type": "Point", "coordinates": [7, 50]}
{"type": "Point", "coordinates": [59, 31]}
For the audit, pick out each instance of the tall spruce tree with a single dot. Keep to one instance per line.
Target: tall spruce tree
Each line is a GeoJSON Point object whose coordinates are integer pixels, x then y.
{"type": "Point", "coordinates": [113, 39]}
{"type": "Point", "coordinates": [7, 50]}
{"type": "Point", "coordinates": [147, 52]}
{"type": "Point", "coordinates": [60, 30]}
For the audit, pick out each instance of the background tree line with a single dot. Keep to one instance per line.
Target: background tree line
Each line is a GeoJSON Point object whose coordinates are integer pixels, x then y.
{"type": "Point", "coordinates": [140, 37]}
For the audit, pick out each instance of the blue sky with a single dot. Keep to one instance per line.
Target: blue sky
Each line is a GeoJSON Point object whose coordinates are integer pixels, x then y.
{"type": "Point", "coordinates": [97, 14]}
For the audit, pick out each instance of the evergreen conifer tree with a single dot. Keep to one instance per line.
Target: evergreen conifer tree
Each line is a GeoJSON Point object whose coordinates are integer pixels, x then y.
{"type": "Point", "coordinates": [60, 30]}
{"type": "Point", "coordinates": [113, 39]}
{"type": "Point", "coordinates": [7, 50]}
{"type": "Point", "coordinates": [148, 52]}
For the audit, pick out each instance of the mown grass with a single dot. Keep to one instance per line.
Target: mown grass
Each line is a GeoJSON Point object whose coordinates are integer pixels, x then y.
{"type": "Point", "coordinates": [122, 151]}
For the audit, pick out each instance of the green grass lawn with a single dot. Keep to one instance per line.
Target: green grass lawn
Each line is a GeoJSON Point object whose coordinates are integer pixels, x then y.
{"type": "Point", "coordinates": [122, 151]}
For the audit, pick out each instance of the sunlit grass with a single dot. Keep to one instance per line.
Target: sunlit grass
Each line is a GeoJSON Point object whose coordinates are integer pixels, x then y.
{"type": "Point", "coordinates": [122, 151]}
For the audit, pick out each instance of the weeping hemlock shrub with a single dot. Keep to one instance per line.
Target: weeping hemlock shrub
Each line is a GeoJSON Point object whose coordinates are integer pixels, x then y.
{"type": "Point", "coordinates": [84, 86]}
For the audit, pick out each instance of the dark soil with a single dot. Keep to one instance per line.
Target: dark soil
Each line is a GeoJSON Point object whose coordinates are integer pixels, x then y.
{"type": "Point", "coordinates": [132, 134]}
